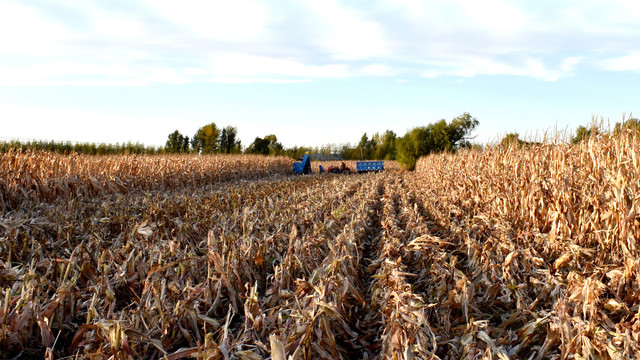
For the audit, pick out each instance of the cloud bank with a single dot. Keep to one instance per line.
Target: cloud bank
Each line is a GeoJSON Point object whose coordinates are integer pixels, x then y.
{"type": "Point", "coordinates": [136, 43]}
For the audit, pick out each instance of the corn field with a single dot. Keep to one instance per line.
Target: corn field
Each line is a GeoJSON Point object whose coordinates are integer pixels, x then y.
{"type": "Point", "coordinates": [509, 253]}
{"type": "Point", "coordinates": [46, 176]}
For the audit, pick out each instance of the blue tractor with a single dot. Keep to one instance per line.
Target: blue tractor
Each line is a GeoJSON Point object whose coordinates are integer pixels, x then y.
{"type": "Point", "coordinates": [302, 166]}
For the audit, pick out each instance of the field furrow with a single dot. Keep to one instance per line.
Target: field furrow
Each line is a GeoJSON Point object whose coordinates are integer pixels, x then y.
{"type": "Point", "coordinates": [161, 262]}
{"type": "Point", "coordinates": [508, 253]}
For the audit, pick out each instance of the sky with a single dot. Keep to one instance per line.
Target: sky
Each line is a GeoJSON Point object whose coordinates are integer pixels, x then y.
{"type": "Point", "coordinates": [312, 72]}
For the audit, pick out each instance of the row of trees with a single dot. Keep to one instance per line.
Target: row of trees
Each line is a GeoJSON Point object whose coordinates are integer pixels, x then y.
{"type": "Point", "coordinates": [67, 147]}
{"type": "Point", "coordinates": [419, 141]}
{"type": "Point", "coordinates": [582, 132]}
{"type": "Point", "coordinates": [437, 137]}
{"type": "Point", "coordinates": [207, 140]}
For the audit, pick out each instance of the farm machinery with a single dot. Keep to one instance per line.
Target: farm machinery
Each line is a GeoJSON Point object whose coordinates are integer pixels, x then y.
{"type": "Point", "coordinates": [342, 169]}
{"type": "Point", "coordinates": [369, 166]}
{"type": "Point", "coordinates": [303, 166]}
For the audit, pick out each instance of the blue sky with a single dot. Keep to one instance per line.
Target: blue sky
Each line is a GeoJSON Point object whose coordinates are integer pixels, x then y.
{"type": "Point", "coordinates": [312, 72]}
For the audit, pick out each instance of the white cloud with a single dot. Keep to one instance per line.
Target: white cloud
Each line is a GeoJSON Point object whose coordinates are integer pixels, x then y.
{"type": "Point", "coordinates": [167, 76]}
{"type": "Point", "coordinates": [253, 80]}
{"type": "Point", "coordinates": [346, 33]}
{"type": "Point", "coordinates": [618, 17]}
{"type": "Point", "coordinates": [69, 72]}
{"type": "Point", "coordinates": [244, 66]}
{"type": "Point", "coordinates": [232, 21]}
{"type": "Point", "coordinates": [24, 32]}
{"type": "Point", "coordinates": [629, 62]}
{"type": "Point", "coordinates": [492, 15]}
{"type": "Point", "coordinates": [377, 70]}
{"type": "Point", "coordinates": [474, 65]}
{"type": "Point", "coordinates": [163, 41]}
{"type": "Point", "coordinates": [114, 26]}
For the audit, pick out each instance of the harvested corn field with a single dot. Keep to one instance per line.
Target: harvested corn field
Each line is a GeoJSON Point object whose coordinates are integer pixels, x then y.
{"type": "Point", "coordinates": [517, 253]}
{"type": "Point", "coordinates": [45, 176]}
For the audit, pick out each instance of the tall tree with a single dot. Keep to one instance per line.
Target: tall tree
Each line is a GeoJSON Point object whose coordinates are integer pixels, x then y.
{"type": "Point", "coordinates": [415, 143]}
{"type": "Point", "coordinates": [175, 142]}
{"type": "Point", "coordinates": [582, 133]}
{"type": "Point", "coordinates": [439, 133]}
{"type": "Point", "coordinates": [365, 147]}
{"type": "Point", "coordinates": [258, 146]}
{"type": "Point", "coordinates": [275, 148]}
{"type": "Point", "coordinates": [386, 147]}
{"type": "Point", "coordinates": [228, 140]}
{"type": "Point", "coordinates": [205, 140]}
{"type": "Point", "coordinates": [631, 125]}
{"type": "Point", "coordinates": [511, 139]}
{"type": "Point", "coordinates": [268, 145]}
{"type": "Point", "coordinates": [185, 144]}
{"type": "Point", "coordinates": [459, 130]}
{"type": "Point", "coordinates": [436, 137]}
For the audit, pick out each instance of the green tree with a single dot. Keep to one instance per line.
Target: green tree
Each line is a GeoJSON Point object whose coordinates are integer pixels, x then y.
{"type": "Point", "coordinates": [440, 140]}
{"type": "Point", "coordinates": [582, 133]}
{"type": "Point", "coordinates": [415, 143]}
{"type": "Point", "coordinates": [459, 130]}
{"type": "Point", "coordinates": [631, 125]}
{"type": "Point", "coordinates": [511, 139]}
{"type": "Point", "coordinates": [229, 143]}
{"type": "Point", "coordinates": [266, 146]}
{"type": "Point", "coordinates": [176, 143]}
{"type": "Point", "coordinates": [206, 139]}
{"type": "Point", "coordinates": [366, 147]}
{"type": "Point", "coordinates": [275, 148]}
{"type": "Point", "coordinates": [297, 151]}
{"type": "Point", "coordinates": [437, 137]}
{"type": "Point", "coordinates": [385, 146]}
{"type": "Point", "coordinates": [185, 144]}
{"type": "Point", "coordinates": [348, 152]}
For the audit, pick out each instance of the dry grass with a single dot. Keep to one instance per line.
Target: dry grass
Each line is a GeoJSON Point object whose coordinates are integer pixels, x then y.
{"type": "Point", "coordinates": [44, 176]}
{"type": "Point", "coordinates": [545, 239]}
{"type": "Point", "coordinates": [520, 253]}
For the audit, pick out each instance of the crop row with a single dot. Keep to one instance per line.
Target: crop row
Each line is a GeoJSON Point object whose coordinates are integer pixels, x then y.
{"type": "Point", "coordinates": [43, 176]}
{"type": "Point", "coordinates": [520, 252]}
{"type": "Point", "coordinates": [541, 242]}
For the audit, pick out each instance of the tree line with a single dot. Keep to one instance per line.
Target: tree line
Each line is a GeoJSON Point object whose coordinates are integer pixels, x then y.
{"type": "Point", "coordinates": [441, 136]}
{"type": "Point", "coordinates": [631, 125]}
{"type": "Point", "coordinates": [67, 147]}
{"type": "Point", "coordinates": [419, 141]}
{"type": "Point", "coordinates": [582, 133]}
{"type": "Point", "coordinates": [210, 139]}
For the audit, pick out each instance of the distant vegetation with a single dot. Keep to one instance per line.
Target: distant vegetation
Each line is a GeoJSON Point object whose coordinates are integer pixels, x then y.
{"type": "Point", "coordinates": [441, 136]}
{"type": "Point", "coordinates": [80, 148]}
{"type": "Point", "coordinates": [433, 138]}
{"type": "Point", "coordinates": [420, 141]}
{"type": "Point", "coordinates": [595, 129]}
